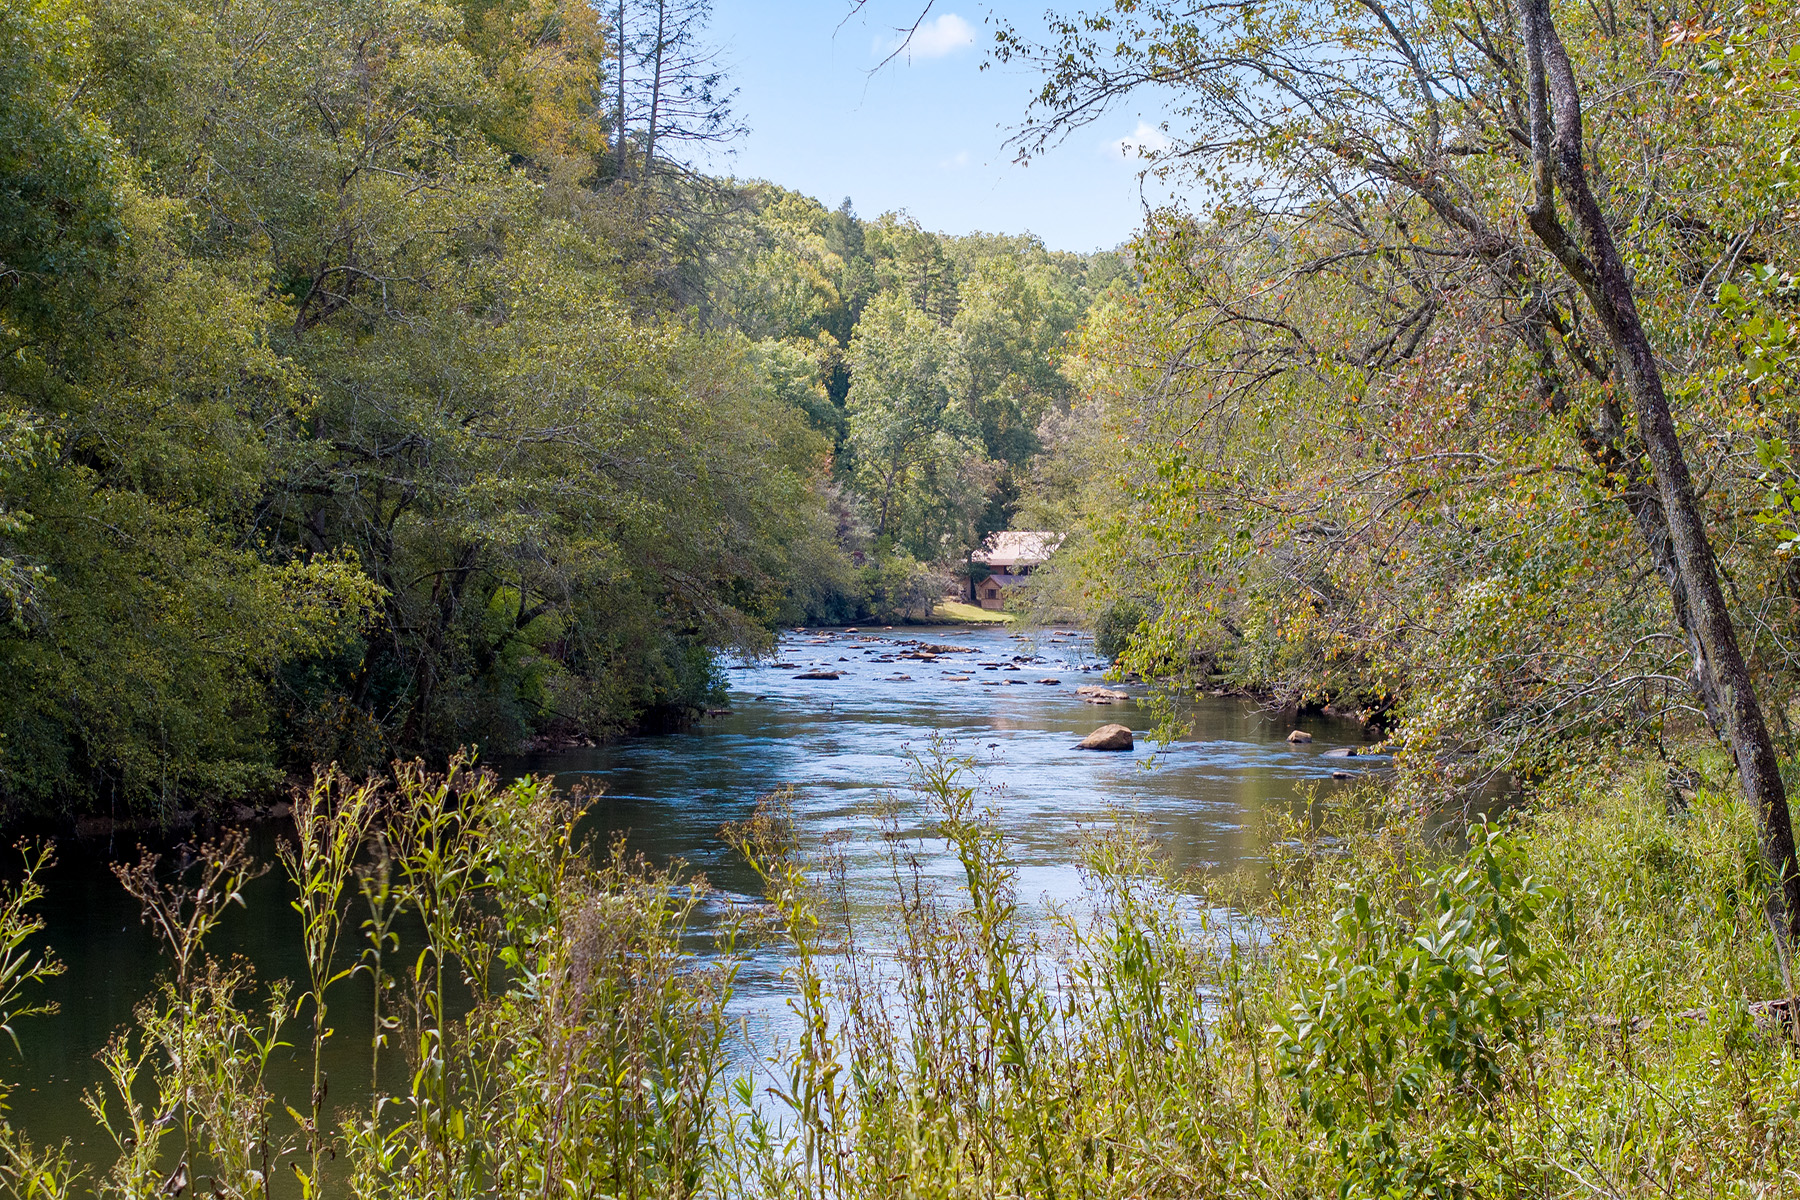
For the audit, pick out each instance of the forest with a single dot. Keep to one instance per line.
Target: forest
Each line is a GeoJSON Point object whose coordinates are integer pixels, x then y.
{"type": "Point", "coordinates": [1375, 431]}
{"type": "Point", "coordinates": [382, 378]}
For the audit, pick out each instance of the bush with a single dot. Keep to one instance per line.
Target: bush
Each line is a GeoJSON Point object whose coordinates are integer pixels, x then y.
{"type": "Point", "coordinates": [888, 589]}
{"type": "Point", "coordinates": [1115, 627]}
{"type": "Point", "coordinates": [897, 587]}
{"type": "Point", "coordinates": [1393, 1013]}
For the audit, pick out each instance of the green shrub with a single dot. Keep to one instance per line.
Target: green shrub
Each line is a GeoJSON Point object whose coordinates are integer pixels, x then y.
{"type": "Point", "coordinates": [1116, 625]}
{"type": "Point", "coordinates": [1395, 1011]}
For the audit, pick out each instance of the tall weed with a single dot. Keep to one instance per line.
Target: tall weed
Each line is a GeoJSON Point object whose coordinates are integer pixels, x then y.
{"type": "Point", "coordinates": [1511, 1012]}
{"type": "Point", "coordinates": [1568, 1003]}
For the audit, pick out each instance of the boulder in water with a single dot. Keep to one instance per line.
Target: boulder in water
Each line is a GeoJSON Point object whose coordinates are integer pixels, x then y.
{"type": "Point", "coordinates": [1298, 736]}
{"type": "Point", "coordinates": [1100, 695]}
{"type": "Point", "coordinates": [817, 675]}
{"type": "Point", "coordinates": [1108, 737]}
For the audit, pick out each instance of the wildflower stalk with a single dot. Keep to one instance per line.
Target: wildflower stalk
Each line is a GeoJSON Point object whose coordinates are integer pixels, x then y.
{"type": "Point", "coordinates": [331, 821]}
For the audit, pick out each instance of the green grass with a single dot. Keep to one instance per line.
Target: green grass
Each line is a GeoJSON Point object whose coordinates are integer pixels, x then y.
{"type": "Point", "coordinates": [956, 610]}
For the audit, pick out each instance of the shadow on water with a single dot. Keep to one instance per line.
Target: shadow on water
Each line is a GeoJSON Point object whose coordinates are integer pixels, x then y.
{"type": "Point", "coordinates": [843, 744]}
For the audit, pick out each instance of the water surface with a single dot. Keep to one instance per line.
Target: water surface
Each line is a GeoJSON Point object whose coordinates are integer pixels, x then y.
{"type": "Point", "coordinates": [842, 745]}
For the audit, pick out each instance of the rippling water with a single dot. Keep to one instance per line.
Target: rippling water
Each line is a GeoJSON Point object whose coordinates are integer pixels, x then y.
{"type": "Point", "coordinates": [842, 744]}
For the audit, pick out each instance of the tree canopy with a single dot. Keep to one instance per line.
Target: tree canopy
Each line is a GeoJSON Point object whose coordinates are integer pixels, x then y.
{"type": "Point", "coordinates": [382, 377]}
{"type": "Point", "coordinates": [335, 427]}
{"type": "Point", "coordinates": [1383, 445]}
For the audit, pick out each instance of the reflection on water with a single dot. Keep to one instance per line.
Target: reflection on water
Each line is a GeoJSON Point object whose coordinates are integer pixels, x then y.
{"type": "Point", "coordinates": [842, 744]}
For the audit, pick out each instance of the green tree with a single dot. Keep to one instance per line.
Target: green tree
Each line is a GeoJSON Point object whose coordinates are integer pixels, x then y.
{"type": "Point", "coordinates": [1407, 388]}
{"type": "Point", "coordinates": [345, 414]}
{"type": "Point", "coordinates": [1015, 311]}
{"type": "Point", "coordinates": [915, 447]}
{"type": "Point", "coordinates": [58, 174]}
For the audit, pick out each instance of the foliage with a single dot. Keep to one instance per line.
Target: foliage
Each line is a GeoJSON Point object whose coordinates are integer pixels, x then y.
{"type": "Point", "coordinates": [382, 377]}
{"type": "Point", "coordinates": [1388, 1018]}
{"type": "Point", "coordinates": [1115, 627]}
{"type": "Point", "coordinates": [931, 361]}
{"type": "Point", "coordinates": [57, 174]}
{"type": "Point", "coordinates": [557, 1036]}
{"type": "Point", "coordinates": [914, 450]}
{"type": "Point", "coordinates": [339, 416]}
{"type": "Point", "coordinates": [1358, 433]}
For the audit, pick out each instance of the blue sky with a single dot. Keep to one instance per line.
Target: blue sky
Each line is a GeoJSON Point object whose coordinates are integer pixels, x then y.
{"type": "Point", "coordinates": [923, 134]}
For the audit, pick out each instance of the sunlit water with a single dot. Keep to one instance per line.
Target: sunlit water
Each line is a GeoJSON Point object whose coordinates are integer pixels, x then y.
{"type": "Point", "coordinates": [844, 747]}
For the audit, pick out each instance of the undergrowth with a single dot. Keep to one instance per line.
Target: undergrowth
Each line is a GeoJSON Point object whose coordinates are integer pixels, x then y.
{"type": "Point", "coordinates": [1569, 1002]}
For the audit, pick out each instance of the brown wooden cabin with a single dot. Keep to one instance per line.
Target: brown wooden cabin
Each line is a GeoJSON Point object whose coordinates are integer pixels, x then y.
{"type": "Point", "coordinates": [1010, 557]}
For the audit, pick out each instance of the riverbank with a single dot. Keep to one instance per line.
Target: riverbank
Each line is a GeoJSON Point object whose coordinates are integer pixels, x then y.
{"type": "Point", "coordinates": [1584, 1001]}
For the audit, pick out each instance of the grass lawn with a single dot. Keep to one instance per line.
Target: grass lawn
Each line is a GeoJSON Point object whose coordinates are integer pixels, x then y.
{"type": "Point", "coordinates": [955, 610]}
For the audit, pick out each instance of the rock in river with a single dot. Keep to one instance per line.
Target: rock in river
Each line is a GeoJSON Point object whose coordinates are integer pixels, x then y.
{"type": "Point", "coordinates": [1299, 735]}
{"type": "Point", "coordinates": [1107, 737]}
{"type": "Point", "coordinates": [817, 675]}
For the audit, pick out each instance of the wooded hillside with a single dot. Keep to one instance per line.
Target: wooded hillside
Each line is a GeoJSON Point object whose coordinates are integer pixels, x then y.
{"type": "Point", "coordinates": [383, 377]}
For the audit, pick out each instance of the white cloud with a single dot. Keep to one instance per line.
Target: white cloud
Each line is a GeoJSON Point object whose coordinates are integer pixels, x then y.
{"type": "Point", "coordinates": [959, 159]}
{"type": "Point", "coordinates": [1146, 139]}
{"type": "Point", "coordinates": [945, 35]}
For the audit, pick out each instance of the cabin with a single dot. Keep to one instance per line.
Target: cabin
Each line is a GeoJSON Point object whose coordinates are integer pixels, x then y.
{"type": "Point", "coordinates": [1010, 557]}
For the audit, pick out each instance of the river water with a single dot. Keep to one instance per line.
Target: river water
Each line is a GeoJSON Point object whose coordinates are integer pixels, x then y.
{"type": "Point", "coordinates": [842, 744]}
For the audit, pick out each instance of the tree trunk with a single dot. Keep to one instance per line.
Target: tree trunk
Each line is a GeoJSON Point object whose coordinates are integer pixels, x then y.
{"type": "Point", "coordinates": [1721, 673]}
{"type": "Point", "coordinates": [887, 497]}
{"type": "Point", "coordinates": [619, 124]}
{"type": "Point", "coordinates": [656, 85]}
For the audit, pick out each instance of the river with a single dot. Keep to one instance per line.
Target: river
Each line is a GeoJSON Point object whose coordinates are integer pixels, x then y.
{"type": "Point", "coordinates": [842, 744]}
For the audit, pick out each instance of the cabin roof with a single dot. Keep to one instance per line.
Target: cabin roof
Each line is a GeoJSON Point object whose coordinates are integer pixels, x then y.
{"type": "Point", "coordinates": [1017, 548]}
